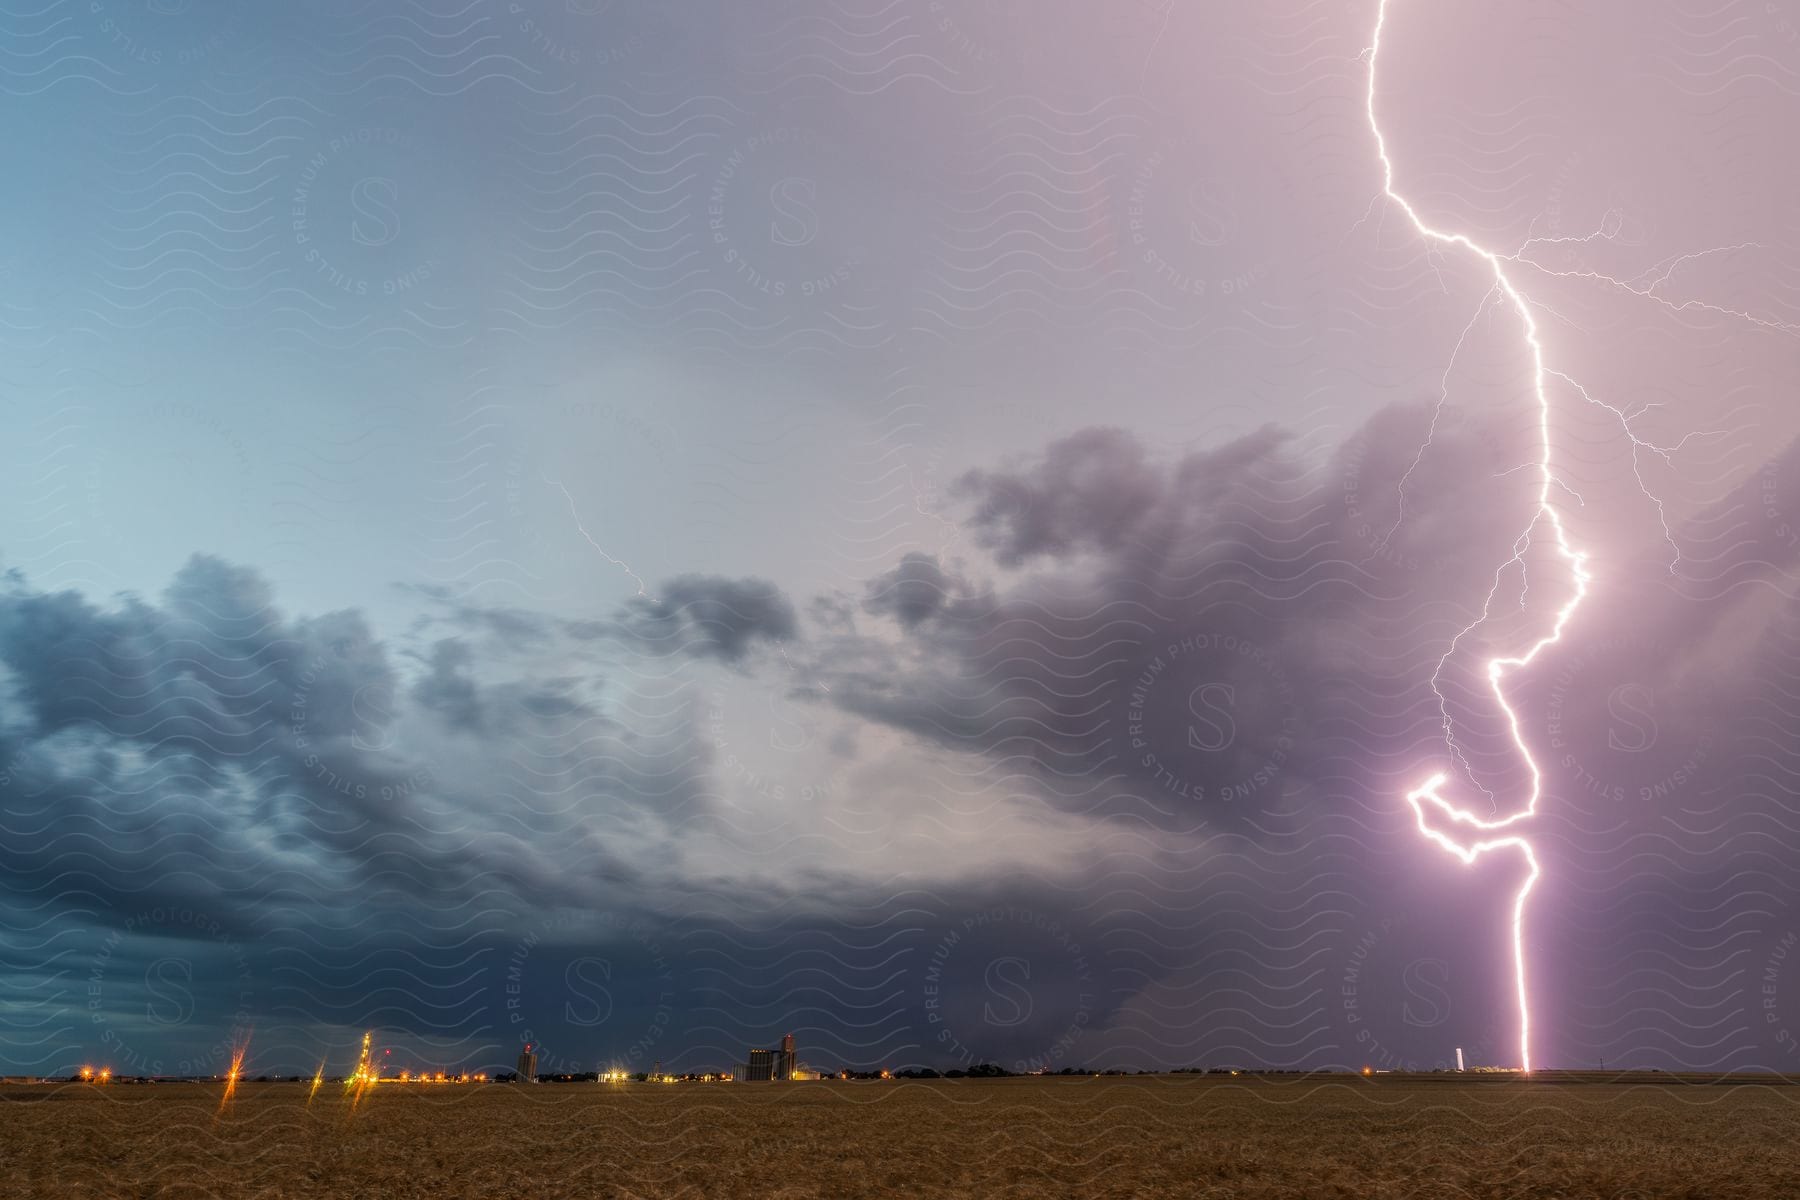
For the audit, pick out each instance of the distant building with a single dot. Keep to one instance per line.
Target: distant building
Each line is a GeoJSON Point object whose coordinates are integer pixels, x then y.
{"type": "Point", "coordinates": [771, 1064]}
{"type": "Point", "coordinates": [528, 1064]}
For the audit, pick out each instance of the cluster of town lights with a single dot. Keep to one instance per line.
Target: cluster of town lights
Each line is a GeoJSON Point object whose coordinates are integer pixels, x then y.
{"type": "Point", "coordinates": [367, 1074]}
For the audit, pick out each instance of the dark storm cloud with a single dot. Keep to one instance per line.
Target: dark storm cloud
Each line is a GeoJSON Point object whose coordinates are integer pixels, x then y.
{"type": "Point", "coordinates": [709, 617]}
{"type": "Point", "coordinates": [200, 791]}
{"type": "Point", "coordinates": [1227, 669]}
{"type": "Point", "coordinates": [447, 688]}
{"type": "Point", "coordinates": [1160, 592]}
{"type": "Point", "coordinates": [208, 747]}
{"type": "Point", "coordinates": [512, 628]}
{"type": "Point", "coordinates": [1288, 585]}
{"type": "Point", "coordinates": [912, 592]}
{"type": "Point", "coordinates": [1087, 492]}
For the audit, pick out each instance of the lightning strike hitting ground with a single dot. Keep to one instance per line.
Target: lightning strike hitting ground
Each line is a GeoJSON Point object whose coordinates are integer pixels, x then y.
{"type": "Point", "coordinates": [1427, 799]}
{"type": "Point", "coordinates": [1427, 794]}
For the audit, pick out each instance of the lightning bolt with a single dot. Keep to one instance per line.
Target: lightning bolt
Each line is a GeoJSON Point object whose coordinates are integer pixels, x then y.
{"type": "Point", "coordinates": [1496, 833]}
{"type": "Point", "coordinates": [630, 574]}
{"type": "Point", "coordinates": [1490, 834]}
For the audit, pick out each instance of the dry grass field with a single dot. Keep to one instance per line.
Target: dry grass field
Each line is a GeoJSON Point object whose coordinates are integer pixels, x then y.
{"type": "Point", "coordinates": [1387, 1136]}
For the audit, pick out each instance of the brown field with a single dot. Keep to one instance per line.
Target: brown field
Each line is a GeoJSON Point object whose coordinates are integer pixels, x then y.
{"type": "Point", "coordinates": [1389, 1136]}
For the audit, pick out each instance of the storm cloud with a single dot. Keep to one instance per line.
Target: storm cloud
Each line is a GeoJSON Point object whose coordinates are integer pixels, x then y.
{"type": "Point", "coordinates": [1202, 692]}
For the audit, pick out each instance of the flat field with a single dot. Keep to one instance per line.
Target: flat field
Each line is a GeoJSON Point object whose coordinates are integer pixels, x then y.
{"type": "Point", "coordinates": [1321, 1136]}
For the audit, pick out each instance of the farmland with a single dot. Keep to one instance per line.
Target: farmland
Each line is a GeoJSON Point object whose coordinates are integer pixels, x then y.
{"type": "Point", "coordinates": [1281, 1136]}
